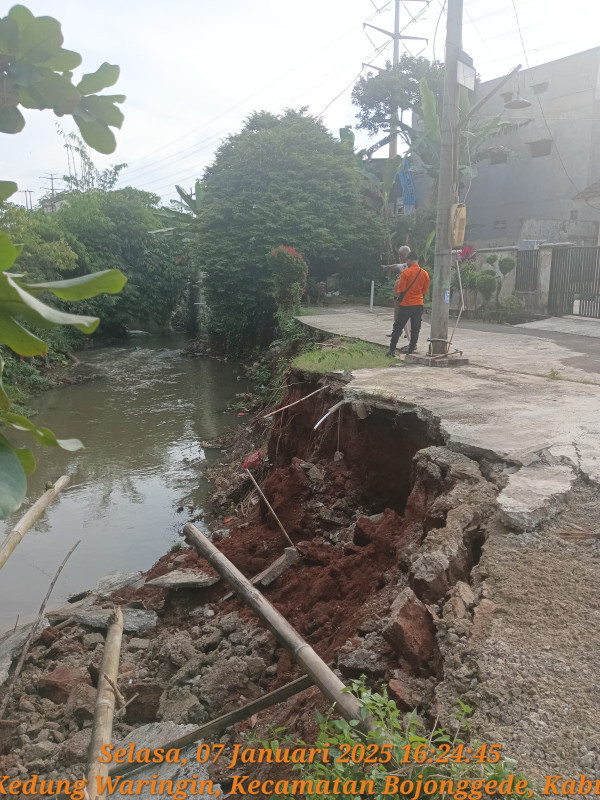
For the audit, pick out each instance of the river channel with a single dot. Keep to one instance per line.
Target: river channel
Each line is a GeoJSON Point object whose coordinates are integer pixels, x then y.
{"type": "Point", "coordinates": [141, 423]}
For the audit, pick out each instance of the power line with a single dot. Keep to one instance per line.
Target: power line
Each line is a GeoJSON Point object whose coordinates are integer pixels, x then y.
{"type": "Point", "coordinates": [267, 86]}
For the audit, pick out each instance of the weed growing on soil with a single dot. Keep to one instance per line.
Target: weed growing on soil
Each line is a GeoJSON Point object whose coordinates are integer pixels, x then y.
{"type": "Point", "coordinates": [348, 355]}
{"type": "Point", "coordinates": [399, 747]}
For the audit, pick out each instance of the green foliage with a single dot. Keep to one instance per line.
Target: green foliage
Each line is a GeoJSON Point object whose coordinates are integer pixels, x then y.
{"type": "Point", "coordinates": [83, 173]}
{"type": "Point", "coordinates": [344, 355]}
{"type": "Point", "coordinates": [37, 74]}
{"type": "Point", "coordinates": [114, 229]}
{"type": "Point", "coordinates": [510, 305]}
{"type": "Point", "coordinates": [396, 86]}
{"type": "Point", "coordinates": [491, 259]}
{"type": "Point", "coordinates": [282, 179]}
{"type": "Point", "coordinates": [408, 751]}
{"type": "Point", "coordinates": [289, 272]}
{"type": "Point", "coordinates": [486, 285]}
{"type": "Point", "coordinates": [506, 265]}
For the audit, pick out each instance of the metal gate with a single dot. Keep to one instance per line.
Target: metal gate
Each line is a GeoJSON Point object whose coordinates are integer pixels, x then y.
{"type": "Point", "coordinates": [575, 281]}
{"type": "Point", "coordinates": [526, 278]}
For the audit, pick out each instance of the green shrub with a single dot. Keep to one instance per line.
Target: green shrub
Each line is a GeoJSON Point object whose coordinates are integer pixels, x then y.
{"type": "Point", "coordinates": [486, 285]}
{"type": "Point", "coordinates": [506, 265]}
{"type": "Point", "coordinates": [414, 754]}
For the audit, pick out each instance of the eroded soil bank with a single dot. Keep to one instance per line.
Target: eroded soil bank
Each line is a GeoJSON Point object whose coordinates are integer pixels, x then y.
{"type": "Point", "coordinates": [392, 584]}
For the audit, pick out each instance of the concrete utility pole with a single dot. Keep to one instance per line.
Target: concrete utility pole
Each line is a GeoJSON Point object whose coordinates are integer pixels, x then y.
{"type": "Point", "coordinates": [448, 182]}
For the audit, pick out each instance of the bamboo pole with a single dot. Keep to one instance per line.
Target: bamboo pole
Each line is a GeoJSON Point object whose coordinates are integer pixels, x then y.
{"type": "Point", "coordinates": [331, 686]}
{"type": "Point", "coordinates": [215, 726]}
{"type": "Point", "coordinates": [270, 507]}
{"type": "Point", "coordinates": [32, 632]}
{"type": "Point", "coordinates": [105, 705]}
{"type": "Point", "coordinates": [27, 520]}
{"type": "Point", "coordinates": [295, 403]}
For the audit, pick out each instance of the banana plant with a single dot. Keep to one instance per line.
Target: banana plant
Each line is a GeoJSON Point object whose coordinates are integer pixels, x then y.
{"type": "Point", "coordinates": [426, 140]}
{"type": "Point", "coordinates": [377, 194]}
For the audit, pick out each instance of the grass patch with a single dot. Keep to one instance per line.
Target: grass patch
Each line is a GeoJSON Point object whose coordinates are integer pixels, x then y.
{"type": "Point", "coordinates": [343, 354]}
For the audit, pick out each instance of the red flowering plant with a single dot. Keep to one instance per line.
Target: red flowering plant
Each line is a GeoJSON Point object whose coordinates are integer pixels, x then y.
{"type": "Point", "coordinates": [289, 272]}
{"type": "Point", "coordinates": [466, 254]}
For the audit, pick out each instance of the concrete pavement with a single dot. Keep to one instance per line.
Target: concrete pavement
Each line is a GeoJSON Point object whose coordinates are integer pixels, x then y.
{"type": "Point", "coordinates": [521, 401]}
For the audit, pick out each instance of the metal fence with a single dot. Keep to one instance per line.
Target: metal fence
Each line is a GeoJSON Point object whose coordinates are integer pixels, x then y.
{"type": "Point", "coordinates": [575, 281]}
{"type": "Point", "coordinates": [526, 278]}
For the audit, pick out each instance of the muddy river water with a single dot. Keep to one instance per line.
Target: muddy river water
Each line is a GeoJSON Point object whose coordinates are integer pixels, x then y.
{"type": "Point", "coordinates": [141, 423]}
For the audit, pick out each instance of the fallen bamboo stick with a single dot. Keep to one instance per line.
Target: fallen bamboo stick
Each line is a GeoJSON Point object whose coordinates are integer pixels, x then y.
{"type": "Point", "coordinates": [327, 681]}
{"type": "Point", "coordinates": [27, 520]}
{"type": "Point", "coordinates": [270, 507]}
{"type": "Point", "coordinates": [289, 405]}
{"type": "Point", "coordinates": [215, 726]}
{"type": "Point", "coordinates": [105, 705]}
{"type": "Point", "coordinates": [32, 633]}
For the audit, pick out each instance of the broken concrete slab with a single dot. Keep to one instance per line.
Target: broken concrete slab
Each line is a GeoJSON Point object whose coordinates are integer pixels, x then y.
{"type": "Point", "coordinates": [117, 580]}
{"type": "Point", "coordinates": [157, 734]}
{"type": "Point", "coordinates": [108, 584]}
{"type": "Point", "coordinates": [135, 620]}
{"type": "Point", "coordinates": [11, 645]}
{"type": "Point", "coordinates": [180, 579]}
{"type": "Point", "coordinates": [534, 492]}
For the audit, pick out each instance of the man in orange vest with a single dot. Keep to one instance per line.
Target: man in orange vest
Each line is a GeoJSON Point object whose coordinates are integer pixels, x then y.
{"type": "Point", "coordinates": [412, 284]}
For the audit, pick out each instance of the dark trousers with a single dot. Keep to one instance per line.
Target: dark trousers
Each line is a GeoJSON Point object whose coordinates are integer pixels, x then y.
{"type": "Point", "coordinates": [405, 313]}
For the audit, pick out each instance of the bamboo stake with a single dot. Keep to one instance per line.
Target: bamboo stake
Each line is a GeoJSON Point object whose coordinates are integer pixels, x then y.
{"type": "Point", "coordinates": [32, 633]}
{"type": "Point", "coordinates": [27, 520]}
{"type": "Point", "coordinates": [331, 686]}
{"type": "Point", "coordinates": [215, 726]}
{"type": "Point", "coordinates": [295, 403]}
{"type": "Point", "coordinates": [105, 705]}
{"type": "Point", "coordinates": [270, 507]}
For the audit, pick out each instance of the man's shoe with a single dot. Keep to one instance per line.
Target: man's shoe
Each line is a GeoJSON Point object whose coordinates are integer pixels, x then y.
{"type": "Point", "coordinates": [390, 355]}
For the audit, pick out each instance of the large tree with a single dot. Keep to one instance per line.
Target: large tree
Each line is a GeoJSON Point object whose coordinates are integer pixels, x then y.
{"type": "Point", "coordinates": [284, 180]}
{"type": "Point", "coordinates": [377, 94]}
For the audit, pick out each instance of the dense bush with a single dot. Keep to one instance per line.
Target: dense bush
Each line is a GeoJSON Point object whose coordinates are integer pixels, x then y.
{"type": "Point", "coordinates": [282, 179]}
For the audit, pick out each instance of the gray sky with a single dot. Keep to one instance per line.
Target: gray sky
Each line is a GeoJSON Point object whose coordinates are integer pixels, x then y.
{"type": "Point", "coordinates": [192, 70]}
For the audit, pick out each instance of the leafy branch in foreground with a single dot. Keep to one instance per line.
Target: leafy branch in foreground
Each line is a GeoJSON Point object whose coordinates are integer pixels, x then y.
{"type": "Point", "coordinates": [19, 303]}
{"type": "Point", "coordinates": [36, 72]}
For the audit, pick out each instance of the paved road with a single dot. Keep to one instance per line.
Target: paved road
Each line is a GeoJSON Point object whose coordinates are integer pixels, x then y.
{"type": "Point", "coordinates": [549, 347]}
{"type": "Point", "coordinates": [529, 396]}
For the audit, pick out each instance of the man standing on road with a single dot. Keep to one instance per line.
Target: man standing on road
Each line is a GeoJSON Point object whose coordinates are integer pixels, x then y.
{"type": "Point", "coordinates": [412, 284]}
{"type": "Point", "coordinates": [400, 266]}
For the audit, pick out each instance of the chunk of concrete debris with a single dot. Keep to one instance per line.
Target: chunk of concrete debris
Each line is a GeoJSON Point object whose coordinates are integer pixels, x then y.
{"type": "Point", "coordinates": [157, 734]}
{"type": "Point", "coordinates": [11, 645]}
{"type": "Point", "coordinates": [118, 580]}
{"type": "Point", "coordinates": [180, 579]}
{"type": "Point", "coordinates": [411, 631]}
{"type": "Point", "coordinates": [316, 474]}
{"type": "Point", "coordinates": [91, 640]}
{"type": "Point", "coordinates": [138, 644]}
{"type": "Point", "coordinates": [460, 601]}
{"type": "Point", "coordinates": [135, 620]}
